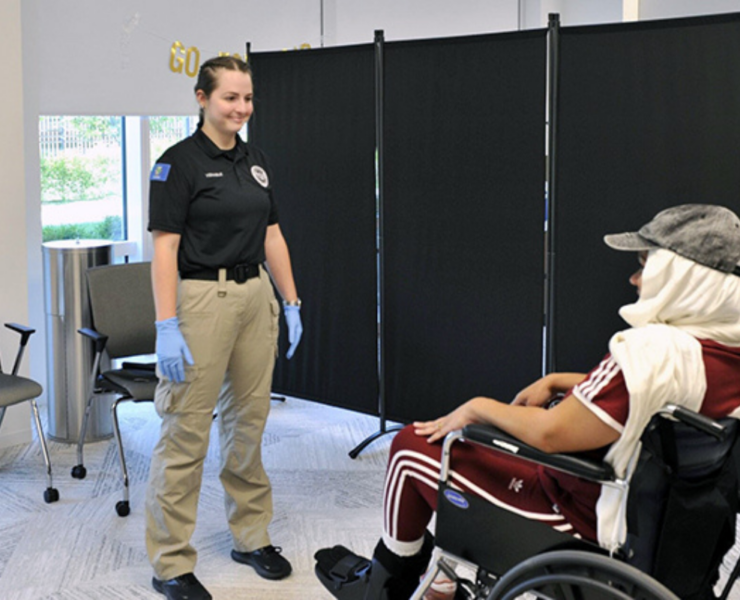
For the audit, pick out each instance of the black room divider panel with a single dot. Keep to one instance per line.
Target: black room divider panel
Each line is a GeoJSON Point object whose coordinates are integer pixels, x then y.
{"type": "Point", "coordinates": [463, 220]}
{"type": "Point", "coordinates": [648, 119]}
{"type": "Point", "coordinates": [315, 118]}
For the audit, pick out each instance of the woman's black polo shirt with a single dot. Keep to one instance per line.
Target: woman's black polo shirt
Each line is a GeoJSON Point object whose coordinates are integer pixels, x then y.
{"type": "Point", "coordinates": [219, 201]}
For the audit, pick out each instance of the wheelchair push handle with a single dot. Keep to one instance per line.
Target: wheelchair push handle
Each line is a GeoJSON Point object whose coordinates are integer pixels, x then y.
{"type": "Point", "coordinates": [694, 419]}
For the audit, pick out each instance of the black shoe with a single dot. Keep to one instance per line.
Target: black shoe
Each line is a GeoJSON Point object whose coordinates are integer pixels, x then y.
{"type": "Point", "coordinates": [184, 587]}
{"type": "Point", "coordinates": [266, 561]}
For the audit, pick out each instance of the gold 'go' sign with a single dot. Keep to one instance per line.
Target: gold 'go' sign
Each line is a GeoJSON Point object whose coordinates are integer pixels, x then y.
{"type": "Point", "coordinates": [187, 60]}
{"type": "Point", "coordinates": [182, 58]}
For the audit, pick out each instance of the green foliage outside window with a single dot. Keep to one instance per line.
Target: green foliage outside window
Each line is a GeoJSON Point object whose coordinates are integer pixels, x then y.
{"type": "Point", "coordinates": [110, 228]}
{"type": "Point", "coordinates": [74, 178]}
{"type": "Point", "coordinates": [98, 128]}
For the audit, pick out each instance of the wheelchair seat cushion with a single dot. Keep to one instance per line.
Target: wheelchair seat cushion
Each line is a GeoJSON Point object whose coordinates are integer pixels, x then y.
{"type": "Point", "coordinates": [342, 572]}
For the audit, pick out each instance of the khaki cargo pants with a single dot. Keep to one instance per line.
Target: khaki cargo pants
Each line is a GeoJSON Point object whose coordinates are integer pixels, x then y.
{"type": "Point", "coordinates": [231, 330]}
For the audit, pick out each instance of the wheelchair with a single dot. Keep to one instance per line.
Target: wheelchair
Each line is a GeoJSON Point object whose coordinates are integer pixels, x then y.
{"type": "Point", "coordinates": [684, 459]}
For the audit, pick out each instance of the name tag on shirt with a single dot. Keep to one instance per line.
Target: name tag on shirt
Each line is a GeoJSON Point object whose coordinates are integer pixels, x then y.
{"type": "Point", "coordinates": [160, 172]}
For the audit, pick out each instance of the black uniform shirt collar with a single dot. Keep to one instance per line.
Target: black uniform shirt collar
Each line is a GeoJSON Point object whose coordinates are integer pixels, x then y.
{"type": "Point", "coordinates": [213, 151]}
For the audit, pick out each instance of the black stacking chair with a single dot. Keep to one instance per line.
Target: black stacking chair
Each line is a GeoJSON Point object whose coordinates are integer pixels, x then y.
{"type": "Point", "coordinates": [15, 389]}
{"type": "Point", "coordinates": [123, 317]}
{"type": "Point", "coordinates": [521, 558]}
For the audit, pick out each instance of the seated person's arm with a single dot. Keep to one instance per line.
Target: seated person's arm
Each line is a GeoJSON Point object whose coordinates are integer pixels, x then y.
{"type": "Point", "coordinates": [568, 427]}
{"type": "Point", "coordinates": [548, 387]}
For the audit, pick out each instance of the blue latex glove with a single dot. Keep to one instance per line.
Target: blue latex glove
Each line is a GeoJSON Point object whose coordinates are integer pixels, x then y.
{"type": "Point", "coordinates": [295, 328]}
{"type": "Point", "coordinates": [171, 349]}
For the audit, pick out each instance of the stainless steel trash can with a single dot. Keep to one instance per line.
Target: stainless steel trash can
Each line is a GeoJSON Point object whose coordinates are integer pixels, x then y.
{"type": "Point", "coordinates": [69, 355]}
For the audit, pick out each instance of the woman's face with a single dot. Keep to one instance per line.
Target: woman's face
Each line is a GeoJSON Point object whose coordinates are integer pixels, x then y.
{"type": "Point", "coordinates": [636, 277]}
{"type": "Point", "coordinates": [229, 105]}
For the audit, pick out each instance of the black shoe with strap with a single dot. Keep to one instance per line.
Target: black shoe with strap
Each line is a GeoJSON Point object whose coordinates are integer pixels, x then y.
{"type": "Point", "coordinates": [183, 587]}
{"type": "Point", "coordinates": [266, 561]}
{"type": "Point", "coordinates": [343, 573]}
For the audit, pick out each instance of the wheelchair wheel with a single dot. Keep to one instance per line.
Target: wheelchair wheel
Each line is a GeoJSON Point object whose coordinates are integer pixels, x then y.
{"type": "Point", "coordinates": [576, 574]}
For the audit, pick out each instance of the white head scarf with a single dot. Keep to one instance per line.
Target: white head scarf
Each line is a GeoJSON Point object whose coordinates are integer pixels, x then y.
{"type": "Point", "coordinates": [676, 291]}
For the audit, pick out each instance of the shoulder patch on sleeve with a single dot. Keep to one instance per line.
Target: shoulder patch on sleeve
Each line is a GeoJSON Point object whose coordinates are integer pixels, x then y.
{"type": "Point", "coordinates": [160, 172]}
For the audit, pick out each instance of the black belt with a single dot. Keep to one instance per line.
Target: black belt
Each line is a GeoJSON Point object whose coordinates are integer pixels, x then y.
{"type": "Point", "coordinates": [239, 273]}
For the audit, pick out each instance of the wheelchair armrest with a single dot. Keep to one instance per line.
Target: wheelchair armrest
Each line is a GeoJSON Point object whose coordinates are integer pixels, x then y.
{"type": "Point", "coordinates": [100, 339]}
{"type": "Point", "coordinates": [697, 421]}
{"type": "Point", "coordinates": [496, 439]}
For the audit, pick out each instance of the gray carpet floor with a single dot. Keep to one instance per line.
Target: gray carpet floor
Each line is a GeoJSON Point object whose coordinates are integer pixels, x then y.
{"type": "Point", "coordinates": [79, 549]}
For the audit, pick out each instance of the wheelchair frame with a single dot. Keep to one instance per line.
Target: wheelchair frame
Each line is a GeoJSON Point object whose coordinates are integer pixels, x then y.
{"type": "Point", "coordinates": [537, 558]}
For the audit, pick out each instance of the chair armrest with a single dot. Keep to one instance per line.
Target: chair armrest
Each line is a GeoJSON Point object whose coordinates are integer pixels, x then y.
{"type": "Point", "coordinates": [26, 333]}
{"type": "Point", "coordinates": [697, 421]}
{"type": "Point", "coordinates": [494, 438]}
{"type": "Point", "coordinates": [100, 339]}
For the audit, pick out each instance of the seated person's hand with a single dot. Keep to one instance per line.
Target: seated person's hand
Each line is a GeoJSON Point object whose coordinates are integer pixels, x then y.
{"type": "Point", "coordinates": [538, 393]}
{"type": "Point", "coordinates": [457, 419]}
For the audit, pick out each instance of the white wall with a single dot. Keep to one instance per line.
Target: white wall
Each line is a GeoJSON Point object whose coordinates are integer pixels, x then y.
{"type": "Point", "coordinates": [354, 21]}
{"type": "Point", "coordinates": [587, 12]}
{"type": "Point", "coordinates": [113, 57]}
{"type": "Point", "coordinates": [576, 12]}
{"type": "Point", "coordinates": [666, 9]}
{"type": "Point", "coordinates": [13, 267]}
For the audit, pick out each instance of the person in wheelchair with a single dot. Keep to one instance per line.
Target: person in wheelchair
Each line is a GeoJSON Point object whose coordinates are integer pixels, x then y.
{"type": "Point", "coordinates": [683, 346]}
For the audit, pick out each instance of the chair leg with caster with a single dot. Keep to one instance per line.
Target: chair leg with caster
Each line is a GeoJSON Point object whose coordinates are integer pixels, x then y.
{"type": "Point", "coordinates": [51, 494]}
{"type": "Point", "coordinates": [79, 471]}
{"type": "Point", "coordinates": [123, 508]}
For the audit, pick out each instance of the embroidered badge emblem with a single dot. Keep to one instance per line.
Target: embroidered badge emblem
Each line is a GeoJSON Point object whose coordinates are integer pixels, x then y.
{"type": "Point", "coordinates": [160, 172]}
{"type": "Point", "coordinates": [260, 175]}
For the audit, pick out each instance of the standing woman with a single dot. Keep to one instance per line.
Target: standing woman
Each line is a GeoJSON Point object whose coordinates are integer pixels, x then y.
{"type": "Point", "coordinates": [214, 224]}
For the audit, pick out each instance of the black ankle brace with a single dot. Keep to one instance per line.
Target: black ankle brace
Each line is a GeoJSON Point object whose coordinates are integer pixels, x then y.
{"type": "Point", "coordinates": [405, 566]}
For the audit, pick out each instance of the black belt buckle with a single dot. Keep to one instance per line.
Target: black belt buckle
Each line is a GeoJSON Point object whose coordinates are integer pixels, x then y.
{"type": "Point", "coordinates": [241, 273]}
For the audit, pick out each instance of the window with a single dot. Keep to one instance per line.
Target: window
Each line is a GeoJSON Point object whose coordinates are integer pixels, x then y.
{"type": "Point", "coordinates": [166, 131]}
{"type": "Point", "coordinates": [82, 174]}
